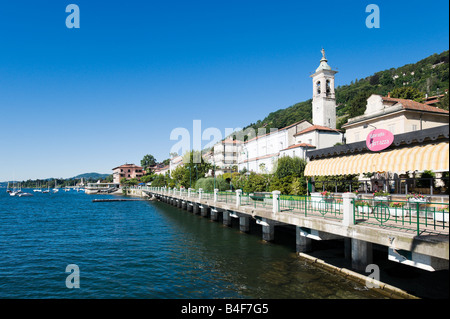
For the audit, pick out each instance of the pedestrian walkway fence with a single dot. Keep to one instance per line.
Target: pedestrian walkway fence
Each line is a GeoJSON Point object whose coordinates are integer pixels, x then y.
{"type": "Point", "coordinates": [409, 215]}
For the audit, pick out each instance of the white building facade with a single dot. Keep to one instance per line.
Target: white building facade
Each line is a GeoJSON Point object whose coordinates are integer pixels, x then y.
{"type": "Point", "coordinates": [260, 154]}
{"type": "Point", "coordinates": [225, 155]}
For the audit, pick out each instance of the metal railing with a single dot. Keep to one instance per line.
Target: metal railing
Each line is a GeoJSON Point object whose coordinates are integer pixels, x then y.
{"type": "Point", "coordinates": [256, 200]}
{"type": "Point", "coordinates": [226, 197]}
{"type": "Point", "coordinates": [329, 207]}
{"type": "Point", "coordinates": [410, 216]}
{"type": "Point", "coordinates": [208, 195]}
{"type": "Point", "coordinates": [414, 215]}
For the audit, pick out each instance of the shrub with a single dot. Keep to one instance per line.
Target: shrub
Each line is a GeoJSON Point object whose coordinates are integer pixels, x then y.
{"type": "Point", "coordinates": [297, 187]}
{"type": "Point", "coordinates": [281, 184]}
{"type": "Point", "coordinates": [238, 181]}
{"type": "Point", "coordinates": [207, 184]}
{"type": "Point", "coordinates": [380, 194]}
{"type": "Point", "coordinates": [290, 166]}
{"type": "Point", "coordinates": [361, 203]}
{"type": "Point", "coordinates": [255, 183]}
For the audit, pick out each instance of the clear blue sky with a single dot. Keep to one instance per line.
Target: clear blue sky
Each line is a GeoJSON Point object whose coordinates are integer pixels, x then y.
{"type": "Point", "coordinates": [86, 100]}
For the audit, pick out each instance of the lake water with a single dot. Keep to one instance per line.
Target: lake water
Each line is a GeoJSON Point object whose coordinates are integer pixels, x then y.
{"type": "Point", "coordinates": [142, 249]}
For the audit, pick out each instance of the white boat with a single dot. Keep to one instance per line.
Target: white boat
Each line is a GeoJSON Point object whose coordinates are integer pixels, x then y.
{"type": "Point", "coordinates": [37, 190]}
{"type": "Point", "coordinates": [24, 194]}
{"type": "Point", "coordinates": [55, 190]}
{"type": "Point", "coordinates": [15, 191]}
{"type": "Point", "coordinates": [101, 188]}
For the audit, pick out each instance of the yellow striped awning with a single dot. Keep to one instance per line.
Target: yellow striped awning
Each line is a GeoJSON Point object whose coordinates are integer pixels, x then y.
{"type": "Point", "coordinates": [433, 157]}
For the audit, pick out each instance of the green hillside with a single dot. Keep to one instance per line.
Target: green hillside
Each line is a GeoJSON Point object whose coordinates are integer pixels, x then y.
{"type": "Point", "coordinates": [91, 176]}
{"type": "Point", "coordinates": [428, 76]}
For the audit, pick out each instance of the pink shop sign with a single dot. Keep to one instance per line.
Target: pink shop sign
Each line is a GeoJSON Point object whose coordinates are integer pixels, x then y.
{"type": "Point", "coordinates": [379, 139]}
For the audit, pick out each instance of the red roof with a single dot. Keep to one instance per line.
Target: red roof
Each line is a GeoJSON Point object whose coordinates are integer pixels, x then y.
{"type": "Point", "coordinates": [317, 127]}
{"type": "Point", "coordinates": [299, 145]}
{"type": "Point", "coordinates": [128, 166]}
{"type": "Point", "coordinates": [413, 105]}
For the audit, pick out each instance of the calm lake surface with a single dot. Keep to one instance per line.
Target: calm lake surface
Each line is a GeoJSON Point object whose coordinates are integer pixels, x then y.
{"type": "Point", "coordinates": [142, 249]}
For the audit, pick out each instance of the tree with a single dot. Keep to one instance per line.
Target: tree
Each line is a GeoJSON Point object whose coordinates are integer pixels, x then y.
{"type": "Point", "coordinates": [297, 187]}
{"type": "Point", "coordinates": [148, 161]}
{"type": "Point", "coordinates": [290, 166]}
{"type": "Point", "coordinates": [147, 178]}
{"type": "Point", "coordinates": [159, 181]}
{"type": "Point", "coordinates": [357, 105]}
{"type": "Point", "coordinates": [208, 183]}
{"type": "Point", "coordinates": [180, 176]}
{"type": "Point", "coordinates": [374, 79]}
{"type": "Point", "coordinates": [238, 181]}
{"type": "Point", "coordinates": [255, 183]}
{"type": "Point", "coordinates": [386, 79]}
{"type": "Point", "coordinates": [443, 102]}
{"type": "Point", "coordinates": [408, 93]}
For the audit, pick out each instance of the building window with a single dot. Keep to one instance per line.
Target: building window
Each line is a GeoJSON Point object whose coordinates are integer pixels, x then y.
{"type": "Point", "coordinates": [318, 87]}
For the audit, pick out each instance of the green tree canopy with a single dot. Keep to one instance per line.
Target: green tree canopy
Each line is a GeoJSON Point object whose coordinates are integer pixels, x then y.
{"type": "Point", "coordinates": [148, 161]}
{"type": "Point", "coordinates": [443, 102]}
{"type": "Point", "coordinates": [290, 166]}
{"type": "Point", "coordinates": [408, 93]}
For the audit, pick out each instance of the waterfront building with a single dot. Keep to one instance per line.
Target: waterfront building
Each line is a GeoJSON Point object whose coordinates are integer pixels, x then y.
{"type": "Point", "coordinates": [225, 155]}
{"type": "Point", "coordinates": [394, 167]}
{"type": "Point", "coordinates": [260, 153]}
{"type": "Point", "coordinates": [319, 136]}
{"type": "Point", "coordinates": [297, 150]}
{"type": "Point", "coordinates": [395, 115]}
{"type": "Point", "coordinates": [161, 169]}
{"type": "Point", "coordinates": [175, 161]}
{"type": "Point", "coordinates": [127, 171]}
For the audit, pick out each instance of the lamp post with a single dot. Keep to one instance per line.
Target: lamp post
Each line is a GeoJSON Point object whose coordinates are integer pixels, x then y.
{"type": "Point", "coordinates": [367, 125]}
{"type": "Point", "coordinates": [245, 151]}
{"type": "Point", "coordinates": [190, 178]}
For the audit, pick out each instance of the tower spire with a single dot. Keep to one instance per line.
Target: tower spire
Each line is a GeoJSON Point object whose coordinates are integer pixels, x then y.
{"type": "Point", "coordinates": [324, 100]}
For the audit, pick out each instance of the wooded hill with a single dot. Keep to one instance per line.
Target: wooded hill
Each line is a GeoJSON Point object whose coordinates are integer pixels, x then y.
{"type": "Point", "coordinates": [428, 76]}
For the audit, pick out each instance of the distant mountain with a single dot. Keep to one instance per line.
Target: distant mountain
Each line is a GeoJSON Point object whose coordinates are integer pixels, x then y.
{"type": "Point", "coordinates": [91, 176]}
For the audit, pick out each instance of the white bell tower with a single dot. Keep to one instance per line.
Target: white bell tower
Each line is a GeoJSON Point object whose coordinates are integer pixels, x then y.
{"type": "Point", "coordinates": [324, 100]}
